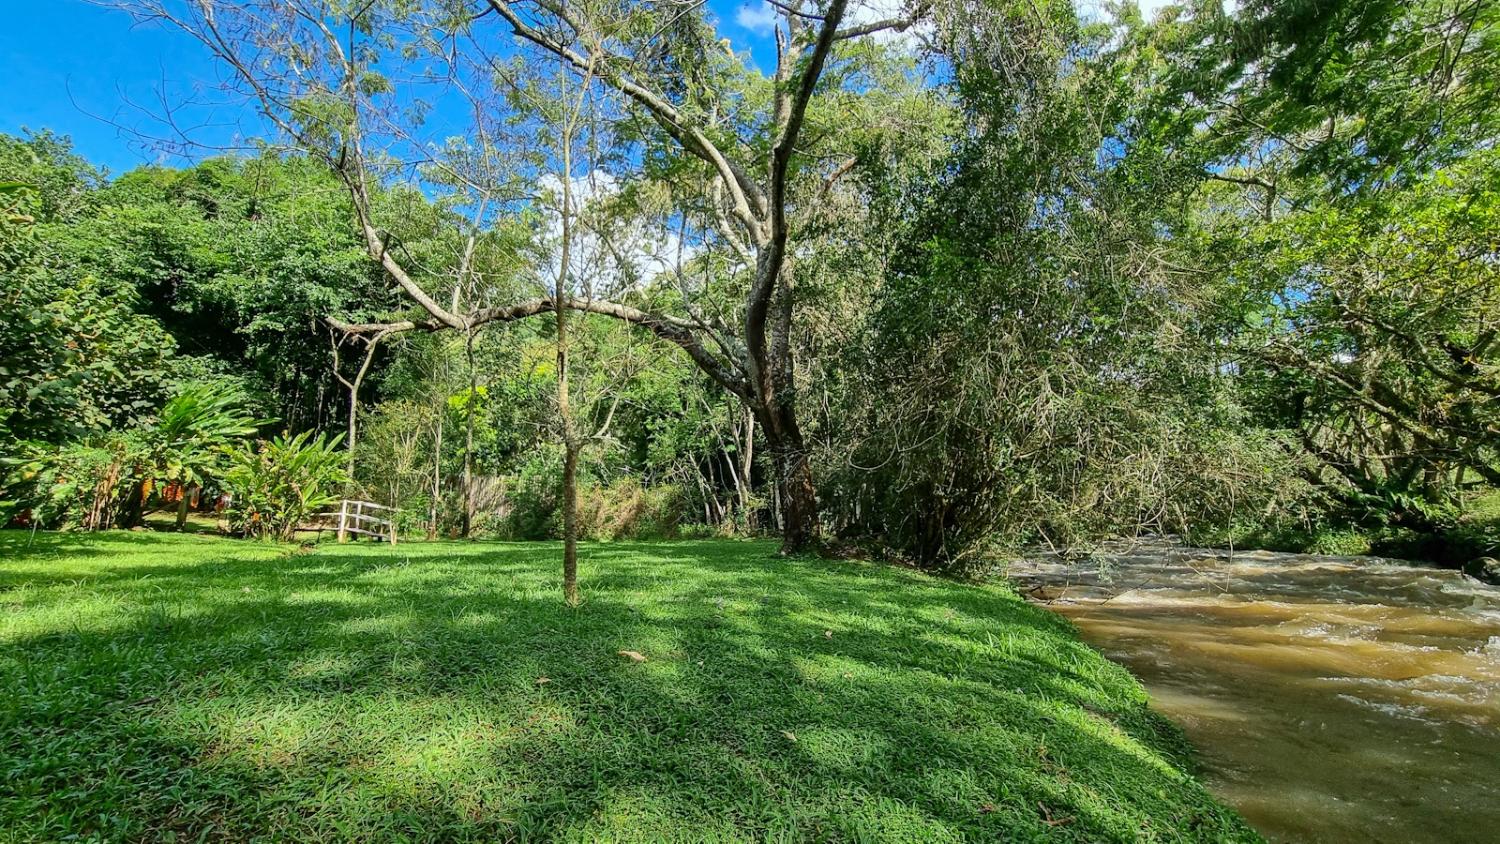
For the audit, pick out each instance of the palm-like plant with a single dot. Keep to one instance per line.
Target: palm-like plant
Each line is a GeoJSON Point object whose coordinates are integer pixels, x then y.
{"type": "Point", "coordinates": [280, 483]}
{"type": "Point", "coordinates": [189, 439]}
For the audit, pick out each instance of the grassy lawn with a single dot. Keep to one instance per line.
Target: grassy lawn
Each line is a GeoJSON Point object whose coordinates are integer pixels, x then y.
{"type": "Point", "coordinates": [161, 687]}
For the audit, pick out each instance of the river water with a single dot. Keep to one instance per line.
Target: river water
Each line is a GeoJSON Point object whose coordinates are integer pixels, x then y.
{"type": "Point", "coordinates": [1332, 699]}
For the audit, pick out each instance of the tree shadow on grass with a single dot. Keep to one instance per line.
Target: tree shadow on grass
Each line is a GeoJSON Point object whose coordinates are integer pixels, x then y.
{"type": "Point", "coordinates": [442, 692]}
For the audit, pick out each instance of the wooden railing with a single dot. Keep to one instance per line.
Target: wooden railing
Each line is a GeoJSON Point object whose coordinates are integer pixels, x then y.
{"type": "Point", "coordinates": [360, 518]}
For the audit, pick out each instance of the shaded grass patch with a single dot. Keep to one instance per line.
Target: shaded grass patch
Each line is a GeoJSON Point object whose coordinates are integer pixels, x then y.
{"type": "Point", "coordinates": [162, 687]}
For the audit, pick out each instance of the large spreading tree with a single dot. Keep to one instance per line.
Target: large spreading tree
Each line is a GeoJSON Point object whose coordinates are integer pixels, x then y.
{"type": "Point", "coordinates": [342, 83]}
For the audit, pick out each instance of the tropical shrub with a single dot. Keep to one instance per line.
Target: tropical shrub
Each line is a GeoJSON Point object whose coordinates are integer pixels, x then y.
{"type": "Point", "coordinates": [86, 484]}
{"type": "Point", "coordinates": [191, 434]}
{"type": "Point", "coordinates": [276, 485]}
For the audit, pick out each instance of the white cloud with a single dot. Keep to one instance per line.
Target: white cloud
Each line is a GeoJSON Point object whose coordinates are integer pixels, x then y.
{"type": "Point", "coordinates": [869, 11]}
{"type": "Point", "coordinates": [863, 12]}
{"type": "Point", "coordinates": [1149, 8]}
{"type": "Point", "coordinates": [758, 17]}
{"type": "Point", "coordinates": [584, 188]}
{"type": "Point", "coordinates": [635, 253]}
{"type": "Point", "coordinates": [1094, 9]}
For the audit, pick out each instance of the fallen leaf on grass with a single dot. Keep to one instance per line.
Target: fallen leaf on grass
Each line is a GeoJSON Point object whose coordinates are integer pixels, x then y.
{"type": "Point", "coordinates": [790, 736]}
{"type": "Point", "coordinates": [634, 656]}
{"type": "Point", "coordinates": [827, 634]}
{"type": "Point", "coordinates": [541, 681]}
{"type": "Point", "coordinates": [1049, 820]}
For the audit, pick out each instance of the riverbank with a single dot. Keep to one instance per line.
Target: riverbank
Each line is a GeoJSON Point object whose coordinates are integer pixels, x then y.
{"type": "Point", "coordinates": [1333, 698]}
{"type": "Point", "coordinates": [1469, 542]}
{"type": "Point", "coordinates": [198, 687]}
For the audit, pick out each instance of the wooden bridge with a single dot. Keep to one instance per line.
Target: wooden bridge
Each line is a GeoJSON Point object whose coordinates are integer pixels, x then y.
{"type": "Point", "coordinates": [358, 518]}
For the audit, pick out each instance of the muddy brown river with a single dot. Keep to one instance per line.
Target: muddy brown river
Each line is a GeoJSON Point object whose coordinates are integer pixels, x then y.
{"type": "Point", "coordinates": [1332, 699]}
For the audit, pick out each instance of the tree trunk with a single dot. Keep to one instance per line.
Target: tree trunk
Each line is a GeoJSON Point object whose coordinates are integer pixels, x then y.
{"type": "Point", "coordinates": [741, 469]}
{"type": "Point", "coordinates": [135, 505]}
{"type": "Point", "coordinates": [570, 525]}
{"type": "Point", "coordinates": [104, 496]}
{"type": "Point", "coordinates": [353, 387]}
{"type": "Point", "coordinates": [797, 499]}
{"type": "Point", "coordinates": [746, 469]}
{"type": "Point", "coordinates": [799, 503]}
{"type": "Point", "coordinates": [570, 456]}
{"type": "Point", "coordinates": [465, 266]}
{"type": "Point", "coordinates": [562, 301]}
{"type": "Point", "coordinates": [570, 440]}
{"type": "Point", "coordinates": [468, 514]}
{"type": "Point", "coordinates": [437, 479]}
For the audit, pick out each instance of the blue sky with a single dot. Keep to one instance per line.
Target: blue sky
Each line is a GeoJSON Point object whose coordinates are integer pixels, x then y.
{"type": "Point", "coordinates": [65, 60]}
{"type": "Point", "coordinates": [77, 69]}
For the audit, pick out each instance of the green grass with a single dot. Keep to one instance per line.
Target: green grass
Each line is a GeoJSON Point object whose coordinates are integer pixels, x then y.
{"type": "Point", "coordinates": [161, 687]}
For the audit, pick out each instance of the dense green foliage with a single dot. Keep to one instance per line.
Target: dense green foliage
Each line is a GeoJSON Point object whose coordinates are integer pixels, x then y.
{"type": "Point", "coordinates": [1345, 241]}
{"type": "Point", "coordinates": [277, 484]}
{"type": "Point", "coordinates": [180, 686]}
{"type": "Point", "coordinates": [1011, 384]}
{"type": "Point", "coordinates": [1225, 273]}
{"type": "Point", "coordinates": [76, 355]}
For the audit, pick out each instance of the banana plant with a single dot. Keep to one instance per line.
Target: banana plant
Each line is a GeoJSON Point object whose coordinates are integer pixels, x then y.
{"type": "Point", "coordinates": [192, 432]}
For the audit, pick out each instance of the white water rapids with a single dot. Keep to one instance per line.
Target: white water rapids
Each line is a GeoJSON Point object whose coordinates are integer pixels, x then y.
{"type": "Point", "coordinates": [1332, 699]}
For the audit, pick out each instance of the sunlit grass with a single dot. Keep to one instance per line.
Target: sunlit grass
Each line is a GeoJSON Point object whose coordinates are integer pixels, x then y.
{"type": "Point", "coordinates": [167, 687]}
